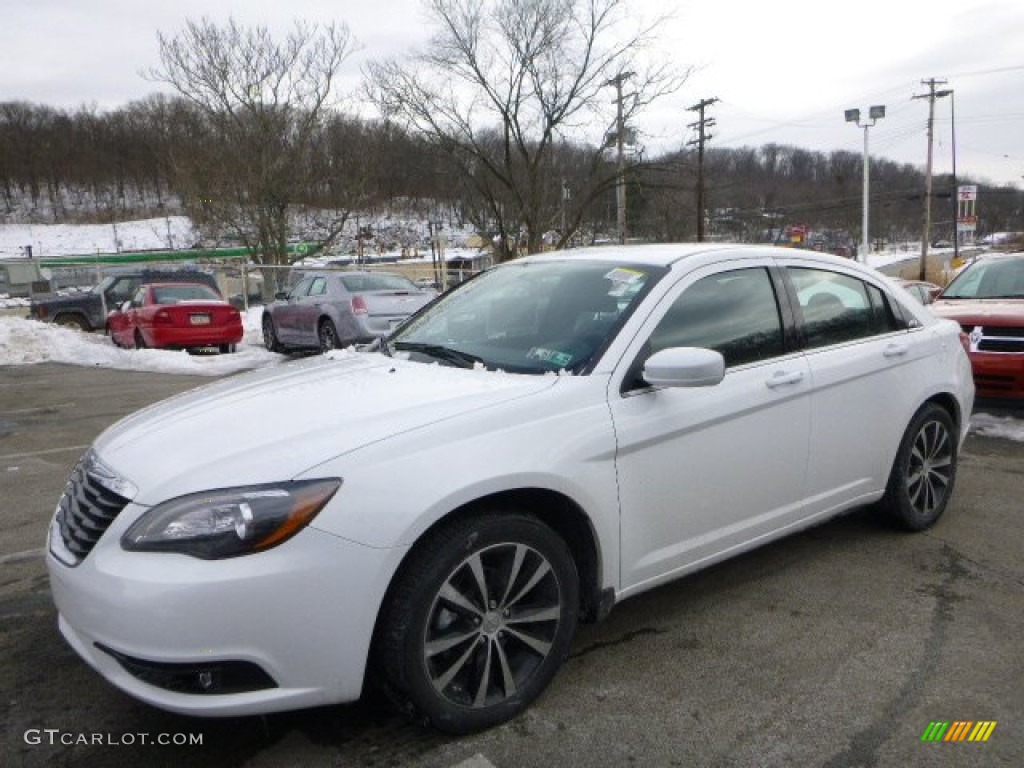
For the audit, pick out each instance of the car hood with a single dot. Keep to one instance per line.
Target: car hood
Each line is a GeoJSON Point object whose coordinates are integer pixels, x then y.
{"type": "Point", "coordinates": [274, 424]}
{"type": "Point", "coordinates": [980, 311]}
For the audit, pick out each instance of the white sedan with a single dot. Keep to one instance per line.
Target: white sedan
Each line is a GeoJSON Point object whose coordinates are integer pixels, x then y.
{"type": "Point", "coordinates": [554, 436]}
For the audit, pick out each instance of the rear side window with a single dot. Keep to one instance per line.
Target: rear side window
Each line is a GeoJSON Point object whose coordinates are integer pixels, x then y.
{"type": "Point", "coordinates": [838, 308]}
{"type": "Point", "coordinates": [735, 313]}
{"type": "Point", "coordinates": [835, 307]}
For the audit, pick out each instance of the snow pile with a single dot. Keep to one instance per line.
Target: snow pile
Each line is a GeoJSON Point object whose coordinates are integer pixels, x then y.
{"type": "Point", "coordinates": [1006, 427]}
{"type": "Point", "coordinates": [25, 342]}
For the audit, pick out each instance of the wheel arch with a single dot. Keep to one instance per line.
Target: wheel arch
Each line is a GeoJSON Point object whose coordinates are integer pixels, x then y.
{"type": "Point", "coordinates": [556, 510]}
{"type": "Point", "coordinates": [77, 316]}
{"type": "Point", "coordinates": [950, 404]}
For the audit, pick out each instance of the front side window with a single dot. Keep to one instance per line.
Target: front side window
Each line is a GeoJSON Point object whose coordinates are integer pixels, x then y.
{"type": "Point", "coordinates": [318, 287]}
{"type": "Point", "coordinates": [301, 288]}
{"type": "Point", "coordinates": [735, 313]}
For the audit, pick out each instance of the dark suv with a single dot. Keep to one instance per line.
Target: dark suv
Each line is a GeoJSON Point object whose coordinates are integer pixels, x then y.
{"type": "Point", "coordinates": [88, 311]}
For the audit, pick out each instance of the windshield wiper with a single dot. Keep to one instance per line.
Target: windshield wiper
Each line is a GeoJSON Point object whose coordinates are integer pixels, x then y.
{"type": "Point", "coordinates": [446, 354]}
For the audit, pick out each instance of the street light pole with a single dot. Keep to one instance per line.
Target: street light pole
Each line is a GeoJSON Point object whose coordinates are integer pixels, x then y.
{"type": "Point", "coordinates": [875, 114]}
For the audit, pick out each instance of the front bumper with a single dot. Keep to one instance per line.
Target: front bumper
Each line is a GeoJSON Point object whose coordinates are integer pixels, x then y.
{"type": "Point", "coordinates": [302, 613]}
{"type": "Point", "coordinates": [998, 374]}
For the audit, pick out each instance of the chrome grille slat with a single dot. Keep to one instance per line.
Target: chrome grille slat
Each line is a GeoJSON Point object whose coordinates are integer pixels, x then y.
{"type": "Point", "coordinates": [86, 510]}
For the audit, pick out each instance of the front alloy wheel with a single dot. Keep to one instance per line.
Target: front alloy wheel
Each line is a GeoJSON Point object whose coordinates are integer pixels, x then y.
{"type": "Point", "coordinates": [480, 621]}
{"type": "Point", "coordinates": [924, 472]}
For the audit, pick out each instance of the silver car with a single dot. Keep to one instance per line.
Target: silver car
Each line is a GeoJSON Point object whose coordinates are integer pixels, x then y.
{"type": "Point", "coordinates": [335, 309]}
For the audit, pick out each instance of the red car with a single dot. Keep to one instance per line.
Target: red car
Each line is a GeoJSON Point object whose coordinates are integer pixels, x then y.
{"type": "Point", "coordinates": [176, 316]}
{"type": "Point", "coordinates": [987, 299]}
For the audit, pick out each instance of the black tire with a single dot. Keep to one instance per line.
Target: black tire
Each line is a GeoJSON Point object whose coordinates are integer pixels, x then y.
{"type": "Point", "coordinates": [924, 471]}
{"type": "Point", "coordinates": [328, 335]}
{"type": "Point", "coordinates": [478, 621]}
{"type": "Point", "coordinates": [270, 340]}
{"type": "Point", "coordinates": [140, 342]}
{"type": "Point", "coordinates": [72, 321]}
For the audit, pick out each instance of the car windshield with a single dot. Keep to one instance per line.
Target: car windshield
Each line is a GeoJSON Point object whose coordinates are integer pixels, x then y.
{"type": "Point", "coordinates": [996, 279]}
{"type": "Point", "coordinates": [528, 317]}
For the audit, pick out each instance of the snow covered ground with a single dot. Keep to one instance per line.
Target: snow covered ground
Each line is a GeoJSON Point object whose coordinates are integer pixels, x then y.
{"type": "Point", "coordinates": [25, 342]}
{"type": "Point", "coordinates": [51, 240]}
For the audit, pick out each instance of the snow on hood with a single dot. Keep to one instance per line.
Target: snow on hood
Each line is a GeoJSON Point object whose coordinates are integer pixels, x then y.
{"type": "Point", "coordinates": [275, 423]}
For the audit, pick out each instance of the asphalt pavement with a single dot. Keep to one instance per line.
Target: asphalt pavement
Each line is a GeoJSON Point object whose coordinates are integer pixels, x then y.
{"type": "Point", "coordinates": [836, 647]}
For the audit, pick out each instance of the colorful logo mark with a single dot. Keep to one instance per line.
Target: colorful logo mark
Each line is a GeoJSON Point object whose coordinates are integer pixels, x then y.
{"type": "Point", "coordinates": [959, 730]}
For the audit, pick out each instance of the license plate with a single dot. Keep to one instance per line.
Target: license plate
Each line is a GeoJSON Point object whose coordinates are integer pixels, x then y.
{"type": "Point", "coordinates": [199, 319]}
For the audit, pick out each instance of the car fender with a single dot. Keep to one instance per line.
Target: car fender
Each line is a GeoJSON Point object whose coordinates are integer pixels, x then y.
{"type": "Point", "coordinates": [486, 457]}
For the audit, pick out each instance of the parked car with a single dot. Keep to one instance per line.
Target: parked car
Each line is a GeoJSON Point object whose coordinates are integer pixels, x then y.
{"type": "Point", "coordinates": [621, 416]}
{"type": "Point", "coordinates": [176, 316]}
{"type": "Point", "coordinates": [987, 299]}
{"type": "Point", "coordinates": [88, 311]}
{"type": "Point", "coordinates": [921, 290]}
{"type": "Point", "coordinates": [327, 310]}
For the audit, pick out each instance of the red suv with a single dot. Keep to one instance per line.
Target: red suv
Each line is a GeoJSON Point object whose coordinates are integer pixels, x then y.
{"type": "Point", "coordinates": [987, 299]}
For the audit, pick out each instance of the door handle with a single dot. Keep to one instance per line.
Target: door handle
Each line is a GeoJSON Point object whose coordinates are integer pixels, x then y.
{"type": "Point", "coordinates": [896, 350]}
{"type": "Point", "coordinates": [784, 378]}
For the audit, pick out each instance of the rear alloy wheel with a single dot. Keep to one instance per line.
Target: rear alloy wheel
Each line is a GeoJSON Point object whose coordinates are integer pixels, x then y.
{"type": "Point", "coordinates": [328, 335]}
{"type": "Point", "coordinates": [479, 621]}
{"type": "Point", "coordinates": [270, 340]}
{"type": "Point", "coordinates": [924, 472]}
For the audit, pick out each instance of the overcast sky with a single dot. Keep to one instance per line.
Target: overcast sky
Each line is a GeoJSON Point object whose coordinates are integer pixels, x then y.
{"type": "Point", "coordinates": [783, 71]}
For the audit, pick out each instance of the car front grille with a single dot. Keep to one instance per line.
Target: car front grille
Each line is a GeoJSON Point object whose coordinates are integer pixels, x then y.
{"type": "Point", "coordinates": [86, 509]}
{"type": "Point", "coordinates": [993, 338]}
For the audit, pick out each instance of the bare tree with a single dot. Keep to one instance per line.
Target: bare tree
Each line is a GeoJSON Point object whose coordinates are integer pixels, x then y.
{"type": "Point", "coordinates": [505, 82]}
{"type": "Point", "coordinates": [262, 102]}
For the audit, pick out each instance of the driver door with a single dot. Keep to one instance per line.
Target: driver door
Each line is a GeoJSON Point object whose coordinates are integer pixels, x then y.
{"type": "Point", "coordinates": [705, 472]}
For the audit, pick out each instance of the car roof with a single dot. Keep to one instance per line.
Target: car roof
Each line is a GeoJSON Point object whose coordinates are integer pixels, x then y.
{"type": "Point", "coordinates": [170, 283]}
{"type": "Point", "coordinates": [667, 254]}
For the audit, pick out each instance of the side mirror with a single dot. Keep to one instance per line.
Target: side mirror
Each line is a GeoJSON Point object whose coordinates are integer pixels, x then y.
{"type": "Point", "coordinates": [684, 367]}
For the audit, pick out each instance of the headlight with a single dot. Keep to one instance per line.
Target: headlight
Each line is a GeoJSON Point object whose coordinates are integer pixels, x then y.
{"type": "Point", "coordinates": [230, 522]}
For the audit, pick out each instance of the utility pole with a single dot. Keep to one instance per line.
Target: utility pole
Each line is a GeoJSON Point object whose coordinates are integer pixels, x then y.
{"type": "Point", "coordinates": [926, 236]}
{"type": "Point", "coordinates": [702, 136]}
{"type": "Point", "coordinates": [620, 140]}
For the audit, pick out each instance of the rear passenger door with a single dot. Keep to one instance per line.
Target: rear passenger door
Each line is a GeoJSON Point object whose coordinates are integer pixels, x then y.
{"type": "Point", "coordinates": [859, 348]}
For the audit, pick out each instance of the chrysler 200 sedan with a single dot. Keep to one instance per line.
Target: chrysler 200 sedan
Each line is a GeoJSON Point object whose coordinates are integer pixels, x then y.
{"type": "Point", "coordinates": [436, 515]}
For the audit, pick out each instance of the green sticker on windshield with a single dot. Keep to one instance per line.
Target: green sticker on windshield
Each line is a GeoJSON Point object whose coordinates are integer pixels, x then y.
{"type": "Point", "coordinates": [553, 356]}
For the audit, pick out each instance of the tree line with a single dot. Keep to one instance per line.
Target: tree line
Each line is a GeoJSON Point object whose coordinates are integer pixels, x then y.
{"type": "Point", "coordinates": [84, 165]}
